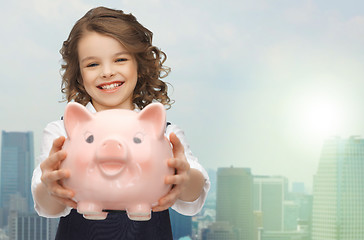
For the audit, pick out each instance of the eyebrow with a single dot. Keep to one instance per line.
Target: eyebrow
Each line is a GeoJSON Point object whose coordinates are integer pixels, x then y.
{"type": "Point", "coordinates": [116, 54]}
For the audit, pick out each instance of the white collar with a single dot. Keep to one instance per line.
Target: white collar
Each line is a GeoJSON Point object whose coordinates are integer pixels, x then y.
{"type": "Point", "coordinates": [92, 109]}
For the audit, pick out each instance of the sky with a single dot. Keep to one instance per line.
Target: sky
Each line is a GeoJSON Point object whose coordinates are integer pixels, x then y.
{"type": "Point", "coordinates": [257, 83]}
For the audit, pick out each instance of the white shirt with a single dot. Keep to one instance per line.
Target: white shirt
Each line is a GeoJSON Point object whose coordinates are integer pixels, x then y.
{"type": "Point", "coordinates": [56, 129]}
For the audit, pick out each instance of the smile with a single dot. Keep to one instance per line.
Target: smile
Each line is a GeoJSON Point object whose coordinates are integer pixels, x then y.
{"type": "Point", "coordinates": [111, 168]}
{"type": "Point", "coordinates": [110, 86]}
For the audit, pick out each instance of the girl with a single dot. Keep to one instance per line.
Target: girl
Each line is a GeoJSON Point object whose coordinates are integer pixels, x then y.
{"type": "Point", "coordinates": [110, 62]}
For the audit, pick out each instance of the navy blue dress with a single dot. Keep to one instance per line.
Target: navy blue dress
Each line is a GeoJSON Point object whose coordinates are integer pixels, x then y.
{"type": "Point", "coordinates": [116, 226]}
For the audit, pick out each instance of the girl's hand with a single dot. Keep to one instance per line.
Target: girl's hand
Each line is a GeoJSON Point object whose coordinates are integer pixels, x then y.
{"type": "Point", "coordinates": [51, 174]}
{"type": "Point", "coordinates": [179, 180]}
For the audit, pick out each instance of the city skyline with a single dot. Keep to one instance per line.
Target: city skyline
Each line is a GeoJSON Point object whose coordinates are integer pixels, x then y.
{"type": "Point", "coordinates": [247, 206]}
{"type": "Point", "coordinates": [306, 186]}
{"type": "Point", "coordinates": [17, 148]}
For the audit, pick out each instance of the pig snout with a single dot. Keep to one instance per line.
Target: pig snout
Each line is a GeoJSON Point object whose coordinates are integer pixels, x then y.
{"type": "Point", "coordinates": [111, 157]}
{"type": "Point", "coordinates": [113, 150]}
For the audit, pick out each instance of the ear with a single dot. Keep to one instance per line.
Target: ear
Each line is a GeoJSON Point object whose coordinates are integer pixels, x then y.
{"type": "Point", "coordinates": [154, 117]}
{"type": "Point", "coordinates": [74, 116]}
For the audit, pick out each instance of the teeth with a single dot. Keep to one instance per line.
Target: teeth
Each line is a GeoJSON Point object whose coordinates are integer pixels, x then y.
{"type": "Point", "coordinates": [111, 86]}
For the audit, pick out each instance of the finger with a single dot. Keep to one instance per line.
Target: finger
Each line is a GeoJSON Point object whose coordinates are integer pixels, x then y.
{"type": "Point", "coordinates": [66, 201]}
{"type": "Point", "coordinates": [54, 176]}
{"type": "Point", "coordinates": [58, 190]}
{"type": "Point", "coordinates": [168, 200]}
{"type": "Point", "coordinates": [180, 164]}
{"type": "Point", "coordinates": [178, 148]}
{"type": "Point", "coordinates": [176, 179]}
{"type": "Point", "coordinates": [53, 161]}
{"type": "Point", "coordinates": [171, 197]}
{"type": "Point", "coordinates": [162, 208]}
{"type": "Point", "coordinates": [57, 144]}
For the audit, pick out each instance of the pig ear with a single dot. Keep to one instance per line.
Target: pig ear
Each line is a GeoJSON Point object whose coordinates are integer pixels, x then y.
{"type": "Point", "coordinates": [74, 116]}
{"type": "Point", "coordinates": [154, 117]}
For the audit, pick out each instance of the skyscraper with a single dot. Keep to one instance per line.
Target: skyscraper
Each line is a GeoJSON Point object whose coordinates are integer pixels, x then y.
{"type": "Point", "coordinates": [30, 226]}
{"type": "Point", "coordinates": [23, 225]}
{"type": "Point", "coordinates": [338, 191]}
{"type": "Point", "coordinates": [234, 200]}
{"type": "Point", "coordinates": [219, 231]}
{"type": "Point", "coordinates": [269, 196]}
{"type": "Point", "coordinates": [17, 163]}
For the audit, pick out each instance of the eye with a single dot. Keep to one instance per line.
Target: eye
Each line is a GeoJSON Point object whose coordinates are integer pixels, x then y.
{"type": "Point", "coordinates": [138, 138]}
{"type": "Point", "coordinates": [92, 65]}
{"type": "Point", "coordinates": [121, 60]}
{"type": "Point", "coordinates": [89, 138]}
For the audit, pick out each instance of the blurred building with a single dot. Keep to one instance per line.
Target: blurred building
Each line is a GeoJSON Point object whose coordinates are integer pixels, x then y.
{"type": "Point", "coordinates": [338, 196]}
{"type": "Point", "coordinates": [201, 221]}
{"type": "Point", "coordinates": [298, 187]}
{"type": "Point", "coordinates": [291, 215]}
{"type": "Point", "coordinates": [298, 210]}
{"type": "Point", "coordinates": [17, 163]}
{"type": "Point", "coordinates": [258, 224]}
{"type": "Point", "coordinates": [234, 200]}
{"type": "Point", "coordinates": [220, 231]}
{"type": "Point", "coordinates": [23, 225]}
{"type": "Point", "coordinates": [269, 195]}
{"type": "Point", "coordinates": [29, 226]}
{"type": "Point", "coordinates": [3, 235]}
{"type": "Point", "coordinates": [284, 235]}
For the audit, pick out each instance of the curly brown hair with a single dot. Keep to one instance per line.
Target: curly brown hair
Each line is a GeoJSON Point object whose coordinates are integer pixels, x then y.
{"type": "Point", "coordinates": [135, 38]}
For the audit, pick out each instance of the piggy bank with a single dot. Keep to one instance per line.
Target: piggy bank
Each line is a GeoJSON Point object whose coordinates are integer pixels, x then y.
{"type": "Point", "coordinates": [117, 160]}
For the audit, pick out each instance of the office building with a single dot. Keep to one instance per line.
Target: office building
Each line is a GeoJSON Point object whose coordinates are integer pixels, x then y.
{"type": "Point", "coordinates": [234, 200]}
{"type": "Point", "coordinates": [298, 187]}
{"type": "Point", "coordinates": [294, 217]}
{"type": "Point", "coordinates": [286, 235]}
{"type": "Point", "coordinates": [219, 231]}
{"type": "Point", "coordinates": [29, 226]}
{"type": "Point", "coordinates": [269, 195]}
{"type": "Point", "coordinates": [338, 191]}
{"type": "Point", "coordinates": [17, 163]}
{"type": "Point", "coordinates": [3, 235]}
{"type": "Point", "coordinates": [291, 215]}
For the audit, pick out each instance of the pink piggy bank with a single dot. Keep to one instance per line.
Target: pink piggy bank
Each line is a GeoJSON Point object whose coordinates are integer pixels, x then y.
{"type": "Point", "coordinates": [117, 160]}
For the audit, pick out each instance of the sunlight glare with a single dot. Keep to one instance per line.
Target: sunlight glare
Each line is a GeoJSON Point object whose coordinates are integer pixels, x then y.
{"type": "Point", "coordinates": [321, 116]}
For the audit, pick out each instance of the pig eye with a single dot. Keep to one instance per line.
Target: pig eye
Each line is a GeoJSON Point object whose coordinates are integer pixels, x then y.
{"type": "Point", "coordinates": [89, 138]}
{"type": "Point", "coordinates": [138, 138]}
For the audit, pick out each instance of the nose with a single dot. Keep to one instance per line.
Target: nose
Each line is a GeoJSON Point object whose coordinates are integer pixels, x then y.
{"type": "Point", "coordinates": [107, 71]}
{"type": "Point", "coordinates": [112, 150]}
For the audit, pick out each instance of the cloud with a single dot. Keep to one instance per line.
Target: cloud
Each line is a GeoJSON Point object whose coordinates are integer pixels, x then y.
{"type": "Point", "coordinates": [52, 11]}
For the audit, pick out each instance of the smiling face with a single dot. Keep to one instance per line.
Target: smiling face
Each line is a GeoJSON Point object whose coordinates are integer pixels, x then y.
{"type": "Point", "coordinates": [108, 70]}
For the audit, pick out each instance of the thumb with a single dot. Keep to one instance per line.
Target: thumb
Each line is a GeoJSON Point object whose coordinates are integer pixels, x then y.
{"type": "Point", "coordinates": [178, 148]}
